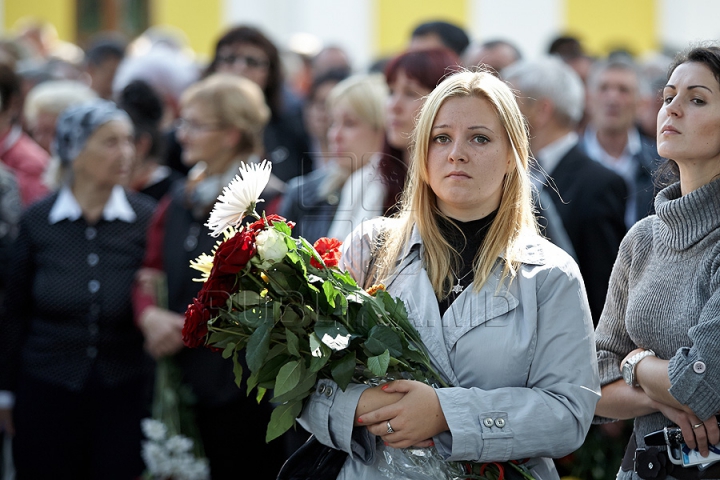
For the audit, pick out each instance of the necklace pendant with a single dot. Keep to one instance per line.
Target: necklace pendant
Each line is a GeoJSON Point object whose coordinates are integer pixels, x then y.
{"type": "Point", "coordinates": [458, 288]}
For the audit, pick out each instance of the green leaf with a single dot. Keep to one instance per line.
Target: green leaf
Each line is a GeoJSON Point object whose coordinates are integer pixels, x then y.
{"type": "Point", "coordinates": [293, 343]}
{"type": "Point", "coordinates": [282, 227]}
{"type": "Point", "coordinates": [301, 390]}
{"type": "Point", "coordinates": [237, 369]}
{"type": "Point", "coordinates": [330, 292]}
{"type": "Point", "coordinates": [221, 339]}
{"type": "Point", "coordinates": [330, 327]}
{"type": "Point", "coordinates": [290, 317]}
{"type": "Point", "coordinates": [258, 347]}
{"type": "Point", "coordinates": [282, 419]}
{"type": "Point", "coordinates": [260, 394]}
{"type": "Point", "coordinates": [297, 261]}
{"type": "Point", "coordinates": [289, 376]}
{"type": "Point", "coordinates": [255, 316]}
{"type": "Point", "coordinates": [320, 353]}
{"type": "Point", "coordinates": [229, 350]}
{"type": "Point", "coordinates": [342, 370]}
{"type": "Point", "coordinates": [246, 298]}
{"type": "Point", "coordinates": [383, 338]}
{"type": "Point", "coordinates": [378, 365]}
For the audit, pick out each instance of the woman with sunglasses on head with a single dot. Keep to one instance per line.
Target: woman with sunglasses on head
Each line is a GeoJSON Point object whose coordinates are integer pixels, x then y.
{"type": "Point", "coordinates": [658, 333]}
{"type": "Point", "coordinates": [246, 52]}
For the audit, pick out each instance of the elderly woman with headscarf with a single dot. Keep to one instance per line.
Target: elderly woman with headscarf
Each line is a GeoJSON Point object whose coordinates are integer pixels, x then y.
{"type": "Point", "coordinates": [69, 350]}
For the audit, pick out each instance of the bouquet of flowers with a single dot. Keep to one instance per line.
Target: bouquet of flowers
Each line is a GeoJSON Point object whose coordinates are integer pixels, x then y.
{"type": "Point", "coordinates": [297, 318]}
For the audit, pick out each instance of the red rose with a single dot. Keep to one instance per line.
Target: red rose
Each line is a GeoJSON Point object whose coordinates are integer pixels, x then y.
{"type": "Point", "coordinates": [329, 250]}
{"type": "Point", "coordinates": [195, 328]}
{"type": "Point", "coordinates": [234, 253]}
{"type": "Point", "coordinates": [259, 225]}
{"type": "Point", "coordinates": [216, 290]}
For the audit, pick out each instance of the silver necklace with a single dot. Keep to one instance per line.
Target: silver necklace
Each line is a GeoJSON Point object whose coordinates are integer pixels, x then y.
{"type": "Point", "coordinates": [457, 289]}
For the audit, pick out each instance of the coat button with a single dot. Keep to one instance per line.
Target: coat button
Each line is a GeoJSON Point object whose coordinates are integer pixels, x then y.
{"type": "Point", "coordinates": [92, 352]}
{"type": "Point", "coordinates": [699, 367]}
{"type": "Point", "coordinates": [329, 391]}
{"type": "Point", "coordinates": [90, 233]}
{"type": "Point", "coordinates": [321, 389]}
{"type": "Point", "coordinates": [488, 422]}
{"type": "Point", "coordinates": [93, 286]}
{"type": "Point", "coordinates": [500, 422]}
{"type": "Point", "coordinates": [93, 259]}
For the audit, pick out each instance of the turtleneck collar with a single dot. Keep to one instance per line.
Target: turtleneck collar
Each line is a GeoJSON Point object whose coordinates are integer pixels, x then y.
{"type": "Point", "coordinates": [686, 219]}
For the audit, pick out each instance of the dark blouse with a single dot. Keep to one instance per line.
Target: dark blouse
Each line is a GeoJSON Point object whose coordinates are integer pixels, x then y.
{"type": "Point", "coordinates": [68, 305]}
{"type": "Point", "coordinates": [466, 238]}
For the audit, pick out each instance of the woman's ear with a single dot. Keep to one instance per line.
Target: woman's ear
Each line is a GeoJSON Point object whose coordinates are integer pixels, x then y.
{"type": "Point", "coordinates": [233, 137]}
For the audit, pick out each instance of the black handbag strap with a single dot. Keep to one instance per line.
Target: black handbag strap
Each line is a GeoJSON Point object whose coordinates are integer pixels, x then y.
{"type": "Point", "coordinates": [313, 461]}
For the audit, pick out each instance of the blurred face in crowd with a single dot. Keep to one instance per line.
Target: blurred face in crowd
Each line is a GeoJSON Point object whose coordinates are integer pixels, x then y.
{"type": "Point", "coordinates": [352, 140]}
{"type": "Point", "coordinates": [317, 120]}
{"type": "Point", "coordinates": [406, 97]}
{"type": "Point", "coordinates": [468, 157]}
{"type": "Point", "coordinates": [246, 60]}
{"type": "Point", "coordinates": [614, 100]}
{"type": "Point", "coordinates": [108, 155]}
{"type": "Point", "coordinates": [43, 129]}
{"type": "Point", "coordinates": [204, 138]}
{"type": "Point", "coordinates": [688, 124]}
{"type": "Point", "coordinates": [102, 76]}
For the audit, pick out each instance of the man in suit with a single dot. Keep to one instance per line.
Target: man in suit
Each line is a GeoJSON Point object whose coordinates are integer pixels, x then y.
{"type": "Point", "coordinates": [588, 197]}
{"type": "Point", "coordinates": [612, 138]}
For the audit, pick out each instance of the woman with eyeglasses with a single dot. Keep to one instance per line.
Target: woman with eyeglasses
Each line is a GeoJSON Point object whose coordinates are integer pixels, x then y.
{"type": "Point", "coordinates": [222, 118]}
{"type": "Point", "coordinates": [246, 52]}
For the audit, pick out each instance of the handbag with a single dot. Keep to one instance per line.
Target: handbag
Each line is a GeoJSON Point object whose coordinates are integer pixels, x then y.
{"type": "Point", "coordinates": [313, 460]}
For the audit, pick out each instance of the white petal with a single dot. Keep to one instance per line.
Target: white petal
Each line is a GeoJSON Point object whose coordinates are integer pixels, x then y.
{"type": "Point", "coordinates": [240, 197]}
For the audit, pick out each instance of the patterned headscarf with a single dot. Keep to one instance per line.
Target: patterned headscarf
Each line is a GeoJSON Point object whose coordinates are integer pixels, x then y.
{"type": "Point", "coordinates": [75, 125]}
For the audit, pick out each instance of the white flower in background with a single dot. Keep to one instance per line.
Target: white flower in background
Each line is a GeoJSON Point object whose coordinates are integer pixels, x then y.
{"type": "Point", "coordinates": [271, 245]}
{"type": "Point", "coordinates": [153, 429]}
{"type": "Point", "coordinates": [338, 343]}
{"type": "Point", "coordinates": [240, 197]}
{"type": "Point", "coordinates": [178, 444]}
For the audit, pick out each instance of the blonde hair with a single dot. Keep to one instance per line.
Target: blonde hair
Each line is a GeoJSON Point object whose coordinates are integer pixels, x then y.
{"type": "Point", "coordinates": [365, 94]}
{"type": "Point", "coordinates": [53, 97]}
{"type": "Point", "coordinates": [419, 204]}
{"type": "Point", "coordinates": [237, 102]}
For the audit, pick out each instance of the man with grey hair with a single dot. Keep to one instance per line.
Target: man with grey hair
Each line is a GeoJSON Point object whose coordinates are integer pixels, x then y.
{"type": "Point", "coordinates": [615, 90]}
{"type": "Point", "coordinates": [589, 198]}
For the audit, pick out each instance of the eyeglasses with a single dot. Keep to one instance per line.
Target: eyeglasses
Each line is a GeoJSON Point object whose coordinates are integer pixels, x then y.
{"type": "Point", "coordinates": [246, 60]}
{"type": "Point", "coordinates": [190, 126]}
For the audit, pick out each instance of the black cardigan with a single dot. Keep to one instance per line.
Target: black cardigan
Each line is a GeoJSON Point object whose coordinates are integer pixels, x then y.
{"type": "Point", "coordinates": [68, 306]}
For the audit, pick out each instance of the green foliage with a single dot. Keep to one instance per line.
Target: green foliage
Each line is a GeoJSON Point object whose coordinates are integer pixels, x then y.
{"type": "Point", "coordinates": [282, 315]}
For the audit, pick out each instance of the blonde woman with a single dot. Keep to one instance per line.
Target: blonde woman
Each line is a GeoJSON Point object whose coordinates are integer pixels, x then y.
{"type": "Point", "coordinates": [348, 189]}
{"type": "Point", "coordinates": [502, 311]}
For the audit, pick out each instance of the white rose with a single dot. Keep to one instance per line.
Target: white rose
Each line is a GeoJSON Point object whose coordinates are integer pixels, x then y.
{"type": "Point", "coordinates": [271, 245]}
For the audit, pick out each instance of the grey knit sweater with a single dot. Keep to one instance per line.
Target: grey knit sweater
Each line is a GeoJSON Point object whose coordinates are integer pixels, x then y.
{"type": "Point", "coordinates": [665, 295]}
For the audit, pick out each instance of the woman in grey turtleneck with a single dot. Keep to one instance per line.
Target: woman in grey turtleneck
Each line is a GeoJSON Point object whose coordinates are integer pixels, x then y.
{"type": "Point", "coordinates": [658, 333]}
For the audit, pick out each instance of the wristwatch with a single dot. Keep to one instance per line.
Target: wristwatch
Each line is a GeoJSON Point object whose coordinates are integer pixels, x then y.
{"type": "Point", "coordinates": [628, 370]}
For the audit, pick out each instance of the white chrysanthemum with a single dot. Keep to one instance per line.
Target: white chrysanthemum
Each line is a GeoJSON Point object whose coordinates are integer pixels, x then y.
{"type": "Point", "coordinates": [240, 197]}
{"type": "Point", "coordinates": [153, 429]}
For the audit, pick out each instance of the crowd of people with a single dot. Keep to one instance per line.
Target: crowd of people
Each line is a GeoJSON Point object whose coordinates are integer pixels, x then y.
{"type": "Point", "coordinates": [457, 171]}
